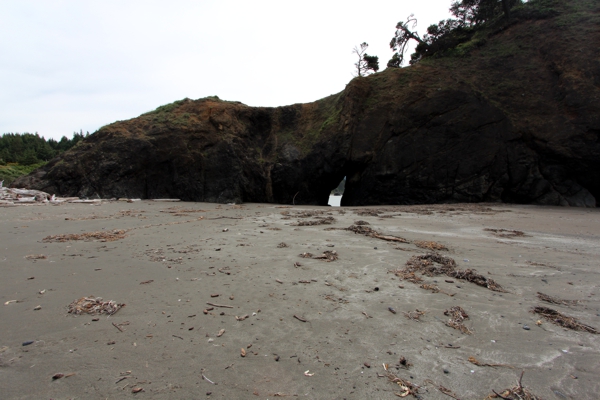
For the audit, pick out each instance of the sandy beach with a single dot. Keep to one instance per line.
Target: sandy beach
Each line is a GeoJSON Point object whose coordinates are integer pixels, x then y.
{"type": "Point", "coordinates": [263, 301]}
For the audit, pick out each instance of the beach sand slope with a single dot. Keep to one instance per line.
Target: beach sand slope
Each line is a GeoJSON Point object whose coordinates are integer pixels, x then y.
{"type": "Point", "coordinates": [219, 303]}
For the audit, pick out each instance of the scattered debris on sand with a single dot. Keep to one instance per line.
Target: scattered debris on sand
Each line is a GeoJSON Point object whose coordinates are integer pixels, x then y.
{"type": "Point", "coordinates": [328, 256]}
{"type": "Point", "coordinates": [317, 221]}
{"type": "Point", "coordinates": [430, 209]}
{"type": "Point", "coordinates": [470, 275]}
{"type": "Point", "coordinates": [309, 214]}
{"type": "Point", "coordinates": [505, 233]}
{"type": "Point", "coordinates": [158, 255]}
{"type": "Point", "coordinates": [365, 230]}
{"type": "Point", "coordinates": [516, 393]}
{"type": "Point", "coordinates": [443, 389]}
{"type": "Point", "coordinates": [178, 211]}
{"type": "Point", "coordinates": [555, 300]}
{"type": "Point", "coordinates": [420, 269]}
{"type": "Point", "coordinates": [435, 289]}
{"type": "Point", "coordinates": [538, 264]}
{"type": "Point", "coordinates": [367, 213]}
{"type": "Point", "coordinates": [414, 315]}
{"type": "Point", "coordinates": [563, 320]}
{"type": "Point", "coordinates": [426, 264]}
{"type": "Point", "coordinates": [300, 318]}
{"type": "Point", "coordinates": [403, 363]}
{"type": "Point", "coordinates": [103, 236]}
{"type": "Point", "coordinates": [434, 264]}
{"type": "Point", "coordinates": [407, 387]}
{"type": "Point", "coordinates": [457, 316]}
{"type": "Point", "coordinates": [408, 276]}
{"type": "Point", "coordinates": [304, 213]}
{"type": "Point", "coordinates": [452, 209]}
{"type": "Point", "coordinates": [475, 361]}
{"type": "Point", "coordinates": [94, 305]}
{"type": "Point", "coordinates": [430, 245]}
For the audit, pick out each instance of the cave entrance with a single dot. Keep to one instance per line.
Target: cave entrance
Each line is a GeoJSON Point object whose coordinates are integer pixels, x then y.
{"type": "Point", "coordinates": [335, 197]}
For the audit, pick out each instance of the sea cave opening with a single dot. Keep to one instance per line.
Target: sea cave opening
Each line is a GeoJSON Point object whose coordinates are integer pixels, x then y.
{"type": "Point", "coordinates": [335, 196]}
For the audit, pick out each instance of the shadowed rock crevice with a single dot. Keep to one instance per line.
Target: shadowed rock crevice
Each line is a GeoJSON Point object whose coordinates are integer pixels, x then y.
{"type": "Point", "coordinates": [513, 121]}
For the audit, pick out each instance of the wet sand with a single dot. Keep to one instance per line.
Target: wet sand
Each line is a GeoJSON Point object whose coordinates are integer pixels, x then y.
{"type": "Point", "coordinates": [331, 319]}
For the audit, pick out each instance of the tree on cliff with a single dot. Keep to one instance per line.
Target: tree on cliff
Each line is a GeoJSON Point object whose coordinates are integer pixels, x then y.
{"type": "Point", "coordinates": [365, 63]}
{"type": "Point", "coordinates": [473, 12]}
{"type": "Point", "coordinates": [404, 34]}
{"type": "Point", "coordinates": [447, 33]}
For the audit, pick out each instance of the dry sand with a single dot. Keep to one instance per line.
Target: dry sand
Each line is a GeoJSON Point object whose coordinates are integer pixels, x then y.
{"type": "Point", "coordinates": [175, 258]}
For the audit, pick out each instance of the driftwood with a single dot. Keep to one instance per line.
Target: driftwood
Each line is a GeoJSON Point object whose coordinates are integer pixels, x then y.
{"type": "Point", "coordinates": [300, 318]}
{"type": "Point", "coordinates": [166, 200]}
{"type": "Point", "coordinates": [83, 201]}
{"type": "Point", "coordinates": [23, 195]}
{"type": "Point", "coordinates": [14, 196]}
{"type": "Point", "coordinates": [219, 305]}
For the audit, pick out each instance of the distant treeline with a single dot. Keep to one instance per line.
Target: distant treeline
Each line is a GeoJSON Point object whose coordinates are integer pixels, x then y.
{"type": "Point", "coordinates": [29, 148]}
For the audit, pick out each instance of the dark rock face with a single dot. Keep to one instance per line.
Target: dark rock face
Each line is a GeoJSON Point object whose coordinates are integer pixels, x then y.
{"type": "Point", "coordinates": [515, 121]}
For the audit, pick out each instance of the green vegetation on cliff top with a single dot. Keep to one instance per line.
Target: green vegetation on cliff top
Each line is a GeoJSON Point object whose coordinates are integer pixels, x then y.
{"type": "Point", "coordinates": [474, 22]}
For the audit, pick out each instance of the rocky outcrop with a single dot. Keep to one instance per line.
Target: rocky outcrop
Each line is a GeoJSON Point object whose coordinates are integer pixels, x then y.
{"type": "Point", "coordinates": [516, 120]}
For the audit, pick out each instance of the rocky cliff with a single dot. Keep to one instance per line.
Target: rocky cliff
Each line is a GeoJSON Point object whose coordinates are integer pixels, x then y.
{"type": "Point", "coordinates": [512, 118]}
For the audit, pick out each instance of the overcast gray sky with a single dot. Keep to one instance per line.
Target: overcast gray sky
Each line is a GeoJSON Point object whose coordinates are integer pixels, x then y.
{"type": "Point", "coordinates": [67, 65]}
